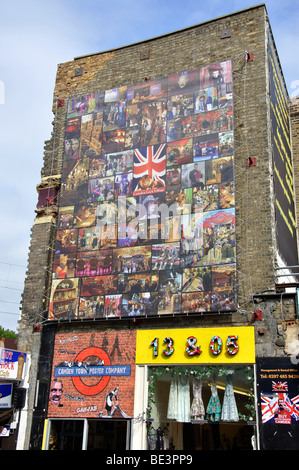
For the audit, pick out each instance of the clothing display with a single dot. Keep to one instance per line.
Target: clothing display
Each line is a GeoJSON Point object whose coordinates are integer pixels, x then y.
{"type": "Point", "coordinates": [183, 399]}
{"type": "Point", "coordinates": [179, 399]}
{"type": "Point", "coordinates": [229, 406]}
{"type": "Point", "coordinates": [206, 407]}
{"type": "Point", "coordinates": [197, 411]}
{"type": "Point", "coordinates": [179, 408]}
{"type": "Point", "coordinates": [213, 411]}
{"type": "Point", "coordinates": [172, 411]}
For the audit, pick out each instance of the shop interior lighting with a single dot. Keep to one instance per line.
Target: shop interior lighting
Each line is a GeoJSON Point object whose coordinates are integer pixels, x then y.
{"type": "Point", "coordinates": [239, 392]}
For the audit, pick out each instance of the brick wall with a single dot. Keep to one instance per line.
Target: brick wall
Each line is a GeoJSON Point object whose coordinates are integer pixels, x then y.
{"type": "Point", "coordinates": [81, 400]}
{"type": "Point", "coordinates": [214, 41]}
{"type": "Point", "coordinates": [185, 50]}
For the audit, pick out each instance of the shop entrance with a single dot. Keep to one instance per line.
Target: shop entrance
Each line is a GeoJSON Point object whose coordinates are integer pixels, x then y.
{"type": "Point", "coordinates": [108, 435]}
{"type": "Point", "coordinates": [217, 436]}
{"type": "Point", "coordinates": [66, 434]}
{"type": "Point", "coordinates": [202, 408]}
{"type": "Point", "coordinates": [88, 434]}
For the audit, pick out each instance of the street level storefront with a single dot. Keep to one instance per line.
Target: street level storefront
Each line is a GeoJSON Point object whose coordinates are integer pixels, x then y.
{"type": "Point", "coordinates": [13, 370]}
{"type": "Point", "coordinates": [199, 385]}
{"type": "Point", "coordinates": [91, 401]}
{"type": "Point", "coordinates": [181, 389]}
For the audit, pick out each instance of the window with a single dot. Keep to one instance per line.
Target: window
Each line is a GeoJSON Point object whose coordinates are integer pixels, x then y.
{"type": "Point", "coordinates": [92, 434]}
{"type": "Point", "coordinates": [107, 434]}
{"type": "Point", "coordinates": [201, 408]}
{"type": "Point", "coordinates": [66, 434]}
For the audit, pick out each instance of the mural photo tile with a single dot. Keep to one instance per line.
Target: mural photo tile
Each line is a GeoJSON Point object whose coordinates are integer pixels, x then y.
{"type": "Point", "coordinates": [146, 222]}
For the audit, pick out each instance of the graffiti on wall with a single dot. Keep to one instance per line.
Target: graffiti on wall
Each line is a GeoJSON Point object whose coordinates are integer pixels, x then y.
{"type": "Point", "coordinates": [93, 375]}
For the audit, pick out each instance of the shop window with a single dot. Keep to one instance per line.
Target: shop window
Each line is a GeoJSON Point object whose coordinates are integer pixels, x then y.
{"type": "Point", "coordinates": [102, 434]}
{"type": "Point", "coordinates": [66, 434]}
{"type": "Point", "coordinates": [203, 408]}
{"type": "Point", "coordinates": [107, 435]}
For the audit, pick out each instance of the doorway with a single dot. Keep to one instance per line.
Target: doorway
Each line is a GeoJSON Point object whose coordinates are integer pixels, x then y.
{"type": "Point", "coordinates": [108, 434]}
{"type": "Point", "coordinates": [88, 434]}
{"type": "Point", "coordinates": [202, 408]}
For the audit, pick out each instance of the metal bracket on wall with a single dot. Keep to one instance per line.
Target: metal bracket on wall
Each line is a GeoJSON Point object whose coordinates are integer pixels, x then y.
{"type": "Point", "coordinates": [249, 56]}
{"type": "Point", "coordinates": [78, 72]}
{"type": "Point", "coordinates": [145, 54]}
{"type": "Point", "coordinates": [251, 161]}
{"type": "Point", "coordinates": [225, 33]}
{"type": "Point", "coordinates": [257, 315]}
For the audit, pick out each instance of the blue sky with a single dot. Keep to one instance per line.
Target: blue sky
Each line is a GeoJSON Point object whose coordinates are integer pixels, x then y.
{"type": "Point", "coordinates": [35, 36]}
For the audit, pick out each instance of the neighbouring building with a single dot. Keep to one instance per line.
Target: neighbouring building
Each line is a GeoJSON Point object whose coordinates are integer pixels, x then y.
{"type": "Point", "coordinates": [160, 302]}
{"type": "Point", "coordinates": [14, 370]}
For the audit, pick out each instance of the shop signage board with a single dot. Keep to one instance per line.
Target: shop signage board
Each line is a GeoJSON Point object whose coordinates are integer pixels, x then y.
{"type": "Point", "coordinates": [5, 395]}
{"type": "Point", "coordinates": [279, 390]}
{"type": "Point", "coordinates": [4, 431]}
{"type": "Point", "coordinates": [146, 222]}
{"type": "Point", "coordinates": [12, 364]}
{"type": "Point", "coordinates": [219, 345]}
{"type": "Point", "coordinates": [93, 375]}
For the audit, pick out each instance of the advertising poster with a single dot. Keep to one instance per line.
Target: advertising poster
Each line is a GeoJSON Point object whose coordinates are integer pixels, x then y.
{"type": "Point", "coordinates": [146, 222]}
{"type": "Point", "coordinates": [12, 364]}
{"type": "Point", "coordinates": [93, 375]}
{"type": "Point", "coordinates": [5, 395]}
{"type": "Point", "coordinates": [279, 391]}
{"type": "Point", "coordinates": [282, 164]}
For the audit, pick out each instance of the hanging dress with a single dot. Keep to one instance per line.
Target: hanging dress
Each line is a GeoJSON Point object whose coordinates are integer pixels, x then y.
{"type": "Point", "coordinates": [229, 407]}
{"type": "Point", "coordinates": [183, 399]}
{"type": "Point", "coordinates": [172, 410]}
{"type": "Point", "coordinates": [197, 409]}
{"type": "Point", "coordinates": [179, 399]}
{"type": "Point", "coordinates": [213, 411]}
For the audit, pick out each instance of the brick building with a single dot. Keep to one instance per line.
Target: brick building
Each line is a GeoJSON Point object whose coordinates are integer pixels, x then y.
{"type": "Point", "coordinates": [123, 320]}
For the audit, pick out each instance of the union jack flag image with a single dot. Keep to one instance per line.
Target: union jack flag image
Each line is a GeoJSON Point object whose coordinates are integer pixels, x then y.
{"type": "Point", "coordinates": [149, 169]}
{"type": "Point", "coordinates": [270, 406]}
{"type": "Point", "coordinates": [279, 386]}
{"type": "Point", "coordinates": [291, 407]}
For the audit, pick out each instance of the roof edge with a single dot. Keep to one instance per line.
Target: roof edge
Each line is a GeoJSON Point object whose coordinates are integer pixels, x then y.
{"type": "Point", "coordinates": [172, 32]}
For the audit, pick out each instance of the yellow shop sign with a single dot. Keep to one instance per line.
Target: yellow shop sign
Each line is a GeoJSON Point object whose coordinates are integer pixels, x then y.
{"type": "Point", "coordinates": [196, 346]}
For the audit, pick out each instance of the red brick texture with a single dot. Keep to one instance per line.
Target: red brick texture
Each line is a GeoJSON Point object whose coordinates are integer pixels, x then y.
{"type": "Point", "coordinates": [82, 397]}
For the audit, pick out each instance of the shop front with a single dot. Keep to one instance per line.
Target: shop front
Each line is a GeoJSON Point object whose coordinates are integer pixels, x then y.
{"type": "Point", "coordinates": [199, 385]}
{"type": "Point", "coordinates": [13, 372]}
{"type": "Point", "coordinates": [91, 397]}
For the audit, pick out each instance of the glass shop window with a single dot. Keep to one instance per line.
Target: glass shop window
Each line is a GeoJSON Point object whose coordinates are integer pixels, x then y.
{"type": "Point", "coordinates": [203, 408]}
{"type": "Point", "coordinates": [66, 434]}
{"type": "Point", "coordinates": [102, 434]}
{"type": "Point", "coordinates": [107, 435]}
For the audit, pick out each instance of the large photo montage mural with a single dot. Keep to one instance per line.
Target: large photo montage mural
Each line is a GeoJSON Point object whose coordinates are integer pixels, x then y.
{"type": "Point", "coordinates": [146, 222]}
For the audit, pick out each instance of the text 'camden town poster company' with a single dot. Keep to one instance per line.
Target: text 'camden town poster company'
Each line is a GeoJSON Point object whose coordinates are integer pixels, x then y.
{"type": "Point", "coordinates": [146, 222]}
{"type": "Point", "coordinates": [93, 375]}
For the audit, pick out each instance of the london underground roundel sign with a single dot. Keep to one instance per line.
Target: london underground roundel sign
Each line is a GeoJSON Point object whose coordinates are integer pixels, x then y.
{"type": "Point", "coordinates": [103, 357]}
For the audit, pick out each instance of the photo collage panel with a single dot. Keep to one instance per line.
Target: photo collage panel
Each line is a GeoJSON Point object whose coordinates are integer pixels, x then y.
{"type": "Point", "coordinates": [146, 221]}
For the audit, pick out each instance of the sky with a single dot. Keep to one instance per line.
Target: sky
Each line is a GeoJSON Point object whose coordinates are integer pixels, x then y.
{"type": "Point", "coordinates": [35, 36]}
